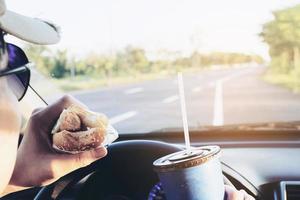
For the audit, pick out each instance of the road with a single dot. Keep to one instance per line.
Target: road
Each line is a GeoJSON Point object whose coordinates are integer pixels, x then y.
{"type": "Point", "coordinates": [213, 97]}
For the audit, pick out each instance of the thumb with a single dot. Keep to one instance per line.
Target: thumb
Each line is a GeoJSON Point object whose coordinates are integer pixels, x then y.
{"type": "Point", "coordinates": [72, 162]}
{"type": "Point", "coordinates": [85, 158]}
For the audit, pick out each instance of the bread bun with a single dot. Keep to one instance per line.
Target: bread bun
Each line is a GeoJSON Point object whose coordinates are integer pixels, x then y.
{"type": "Point", "coordinates": [79, 129]}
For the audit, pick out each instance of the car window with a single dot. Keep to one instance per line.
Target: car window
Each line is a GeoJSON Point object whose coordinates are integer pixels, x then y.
{"type": "Point", "coordinates": [240, 60]}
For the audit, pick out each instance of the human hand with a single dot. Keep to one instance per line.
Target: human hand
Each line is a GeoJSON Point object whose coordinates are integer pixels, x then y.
{"type": "Point", "coordinates": [233, 194]}
{"type": "Point", "coordinates": [37, 162]}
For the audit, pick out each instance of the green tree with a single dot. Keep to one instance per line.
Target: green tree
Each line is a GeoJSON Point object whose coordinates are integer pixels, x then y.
{"type": "Point", "coordinates": [137, 59]}
{"type": "Point", "coordinates": [283, 37]}
{"type": "Point", "coordinates": [41, 57]}
{"type": "Point", "coordinates": [60, 62]}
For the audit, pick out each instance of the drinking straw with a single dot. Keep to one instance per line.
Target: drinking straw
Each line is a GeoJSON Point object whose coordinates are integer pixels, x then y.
{"type": "Point", "coordinates": [183, 113]}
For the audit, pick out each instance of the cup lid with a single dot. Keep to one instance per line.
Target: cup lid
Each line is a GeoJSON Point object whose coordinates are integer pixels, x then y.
{"type": "Point", "coordinates": [184, 159]}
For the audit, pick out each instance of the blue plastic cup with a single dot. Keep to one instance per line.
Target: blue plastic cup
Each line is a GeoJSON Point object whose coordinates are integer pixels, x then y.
{"type": "Point", "coordinates": [195, 175]}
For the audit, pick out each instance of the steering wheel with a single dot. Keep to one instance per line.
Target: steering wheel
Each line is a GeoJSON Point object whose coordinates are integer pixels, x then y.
{"type": "Point", "coordinates": [125, 173]}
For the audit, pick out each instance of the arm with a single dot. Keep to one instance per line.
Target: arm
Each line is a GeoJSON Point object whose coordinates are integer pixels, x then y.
{"type": "Point", "coordinates": [10, 123]}
{"type": "Point", "coordinates": [37, 163]}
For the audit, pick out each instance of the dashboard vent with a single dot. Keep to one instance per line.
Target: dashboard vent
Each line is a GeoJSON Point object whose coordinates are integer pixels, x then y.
{"type": "Point", "coordinates": [292, 191]}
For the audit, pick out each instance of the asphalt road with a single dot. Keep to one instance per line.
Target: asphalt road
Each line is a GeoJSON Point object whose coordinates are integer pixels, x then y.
{"type": "Point", "coordinates": [214, 97]}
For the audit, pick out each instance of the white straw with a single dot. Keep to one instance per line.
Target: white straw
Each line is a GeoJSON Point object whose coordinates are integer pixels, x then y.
{"type": "Point", "coordinates": [183, 113]}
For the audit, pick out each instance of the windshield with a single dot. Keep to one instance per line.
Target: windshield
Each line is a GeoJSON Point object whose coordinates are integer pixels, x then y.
{"type": "Point", "coordinates": [240, 60]}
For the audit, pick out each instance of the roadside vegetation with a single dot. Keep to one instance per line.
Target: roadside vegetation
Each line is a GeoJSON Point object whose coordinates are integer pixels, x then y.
{"type": "Point", "coordinates": [283, 37]}
{"type": "Point", "coordinates": [128, 65]}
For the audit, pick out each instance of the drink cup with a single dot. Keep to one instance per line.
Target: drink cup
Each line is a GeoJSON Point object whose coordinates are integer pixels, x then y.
{"type": "Point", "coordinates": [194, 175]}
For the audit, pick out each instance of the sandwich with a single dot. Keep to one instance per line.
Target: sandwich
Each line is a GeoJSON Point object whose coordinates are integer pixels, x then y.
{"type": "Point", "coordinates": [78, 129]}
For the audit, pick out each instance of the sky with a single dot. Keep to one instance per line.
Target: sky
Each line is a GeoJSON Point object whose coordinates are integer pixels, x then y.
{"type": "Point", "coordinates": [105, 26]}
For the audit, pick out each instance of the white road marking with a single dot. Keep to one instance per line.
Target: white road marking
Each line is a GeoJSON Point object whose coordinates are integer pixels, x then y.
{"type": "Point", "coordinates": [218, 119]}
{"type": "Point", "coordinates": [197, 89]}
{"type": "Point", "coordinates": [134, 90]}
{"type": "Point", "coordinates": [122, 117]}
{"type": "Point", "coordinates": [170, 99]}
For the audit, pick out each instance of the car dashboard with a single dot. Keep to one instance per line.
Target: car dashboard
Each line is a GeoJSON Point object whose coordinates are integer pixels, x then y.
{"type": "Point", "coordinates": [264, 163]}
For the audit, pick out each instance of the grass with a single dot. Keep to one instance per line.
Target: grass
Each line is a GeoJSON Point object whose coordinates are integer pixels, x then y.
{"type": "Point", "coordinates": [288, 80]}
{"type": "Point", "coordinates": [85, 82]}
{"type": "Point", "coordinates": [88, 82]}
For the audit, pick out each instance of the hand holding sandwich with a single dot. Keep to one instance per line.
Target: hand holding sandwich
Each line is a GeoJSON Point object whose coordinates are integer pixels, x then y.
{"type": "Point", "coordinates": [37, 162]}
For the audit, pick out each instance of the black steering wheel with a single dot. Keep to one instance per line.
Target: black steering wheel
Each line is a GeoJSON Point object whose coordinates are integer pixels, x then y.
{"type": "Point", "coordinates": [125, 173]}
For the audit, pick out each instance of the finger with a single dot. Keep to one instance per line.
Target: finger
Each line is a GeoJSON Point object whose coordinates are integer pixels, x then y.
{"type": "Point", "coordinates": [34, 123]}
{"type": "Point", "coordinates": [37, 110]}
{"type": "Point", "coordinates": [86, 158]}
{"type": "Point", "coordinates": [50, 114]}
{"type": "Point", "coordinates": [73, 162]}
{"type": "Point", "coordinates": [66, 101]}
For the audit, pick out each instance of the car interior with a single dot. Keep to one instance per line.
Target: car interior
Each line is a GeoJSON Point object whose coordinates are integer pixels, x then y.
{"type": "Point", "coordinates": [258, 130]}
{"type": "Point", "coordinates": [263, 162]}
